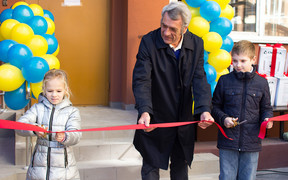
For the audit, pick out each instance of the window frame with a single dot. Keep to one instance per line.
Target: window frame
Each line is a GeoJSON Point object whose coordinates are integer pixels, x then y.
{"type": "Point", "coordinates": [258, 36]}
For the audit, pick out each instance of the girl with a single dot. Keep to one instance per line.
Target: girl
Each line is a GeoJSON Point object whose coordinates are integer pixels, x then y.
{"type": "Point", "coordinates": [53, 157]}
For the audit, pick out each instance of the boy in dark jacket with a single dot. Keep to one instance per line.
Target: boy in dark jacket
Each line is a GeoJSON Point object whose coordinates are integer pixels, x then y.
{"type": "Point", "coordinates": [241, 102]}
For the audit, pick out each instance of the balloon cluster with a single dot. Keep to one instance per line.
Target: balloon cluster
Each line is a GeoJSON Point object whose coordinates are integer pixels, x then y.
{"type": "Point", "coordinates": [28, 49]}
{"type": "Point", "coordinates": [211, 20]}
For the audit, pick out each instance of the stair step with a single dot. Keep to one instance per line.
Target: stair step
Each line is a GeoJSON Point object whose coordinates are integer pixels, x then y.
{"type": "Point", "coordinates": [126, 135]}
{"type": "Point", "coordinates": [12, 172]}
{"type": "Point", "coordinates": [203, 164]}
{"type": "Point", "coordinates": [90, 150]}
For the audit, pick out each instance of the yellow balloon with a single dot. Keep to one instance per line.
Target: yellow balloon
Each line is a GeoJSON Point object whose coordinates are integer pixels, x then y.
{"type": "Point", "coordinates": [11, 77]}
{"type": "Point", "coordinates": [212, 41]}
{"type": "Point", "coordinates": [199, 26]}
{"type": "Point", "coordinates": [21, 33]}
{"type": "Point", "coordinates": [1, 37]}
{"type": "Point", "coordinates": [38, 45]}
{"type": "Point", "coordinates": [57, 51]}
{"type": "Point", "coordinates": [6, 28]}
{"type": "Point", "coordinates": [19, 3]}
{"type": "Point", "coordinates": [219, 74]}
{"type": "Point", "coordinates": [222, 3]}
{"type": "Point", "coordinates": [52, 61]}
{"type": "Point", "coordinates": [194, 11]}
{"type": "Point", "coordinates": [228, 12]}
{"type": "Point", "coordinates": [36, 88]}
{"type": "Point", "coordinates": [219, 59]}
{"type": "Point", "coordinates": [51, 26]}
{"type": "Point", "coordinates": [37, 9]}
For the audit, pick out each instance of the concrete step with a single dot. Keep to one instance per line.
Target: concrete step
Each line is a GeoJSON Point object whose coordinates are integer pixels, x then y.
{"type": "Point", "coordinates": [204, 166]}
{"type": "Point", "coordinates": [90, 150]}
{"type": "Point", "coordinates": [125, 135]}
{"type": "Point", "coordinates": [12, 172]}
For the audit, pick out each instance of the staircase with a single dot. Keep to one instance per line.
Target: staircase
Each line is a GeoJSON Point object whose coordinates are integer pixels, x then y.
{"type": "Point", "coordinates": [109, 155]}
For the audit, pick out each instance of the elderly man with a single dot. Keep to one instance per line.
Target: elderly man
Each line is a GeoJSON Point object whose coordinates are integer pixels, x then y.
{"type": "Point", "coordinates": [168, 76]}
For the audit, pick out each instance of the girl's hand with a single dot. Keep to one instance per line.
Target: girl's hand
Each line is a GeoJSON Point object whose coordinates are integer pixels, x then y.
{"type": "Point", "coordinates": [60, 136]}
{"type": "Point", "coordinates": [41, 134]}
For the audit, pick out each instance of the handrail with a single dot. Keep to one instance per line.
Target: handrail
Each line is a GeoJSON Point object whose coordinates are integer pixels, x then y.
{"type": "Point", "coordinates": [29, 138]}
{"type": "Point", "coordinates": [2, 105]}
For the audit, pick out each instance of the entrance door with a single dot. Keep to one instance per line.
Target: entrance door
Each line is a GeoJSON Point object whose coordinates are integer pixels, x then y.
{"type": "Point", "coordinates": [83, 36]}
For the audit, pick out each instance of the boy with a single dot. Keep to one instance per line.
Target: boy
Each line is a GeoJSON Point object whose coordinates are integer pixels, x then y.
{"type": "Point", "coordinates": [241, 96]}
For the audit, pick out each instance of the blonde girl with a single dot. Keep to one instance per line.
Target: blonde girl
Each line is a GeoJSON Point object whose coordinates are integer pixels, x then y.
{"type": "Point", "coordinates": [53, 157]}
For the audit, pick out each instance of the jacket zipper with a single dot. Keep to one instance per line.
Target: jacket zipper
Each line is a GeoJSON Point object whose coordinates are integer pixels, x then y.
{"type": "Point", "coordinates": [65, 157]}
{"type": "Point", "coordinates": [49, 139]}
{"type": "Point", "coordinates": [242, 115]}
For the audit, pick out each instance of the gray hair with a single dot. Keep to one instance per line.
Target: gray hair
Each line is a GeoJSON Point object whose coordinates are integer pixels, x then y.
{"type": "Point", "coordinates": [176, 9]}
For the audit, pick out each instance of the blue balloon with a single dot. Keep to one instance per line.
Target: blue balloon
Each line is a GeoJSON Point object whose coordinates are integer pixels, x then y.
{"type": "Point", "coordinates": [34, 69]}
{"type": "Point", "coordinates": [16, 99]}
{"type": "Point", "coordinates": [52, 43]}
{"type": "Point", "coordinates": [206, 55]}
{"type": "Point", "coordinates": [210, 10]}
{"type": "Point", "coordinates": [213, 86]}
{"type": "Point", "coordinates": [227, 43]}
{"type": "Point", "coordinates": [6, 14]}
{"type": "Point", "coordinates": [38, 24]}
{"type": "Point", "coordinates": [22, 13]}
{"type": "Point", "coordinates": [19, 54]}
{"type": "Point", "coordinates": [5, 45]}
{"type": "Point", "coordinates": [195, 3]}
{"type": "Point", "coordinates": [221, 25]}
{"type": "Point", "coordinates": [48, 14]}
{"type": "Point", "coordinates": [211, 73]}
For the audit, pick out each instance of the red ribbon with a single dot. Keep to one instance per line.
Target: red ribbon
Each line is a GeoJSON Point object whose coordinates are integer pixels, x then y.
{"type": "Point", "coordinates": [6, 124]}
{"type": "Point", "coordinates": [262, 75]}
{"type": "Point", "coordinates": [274, 55]}
{"type": "Point", "coordinates": [262, 132]}
{"type": "Point", "coordinates": [273, 63]}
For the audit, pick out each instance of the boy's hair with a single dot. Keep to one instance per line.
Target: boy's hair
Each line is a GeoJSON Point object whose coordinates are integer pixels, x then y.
{"type": "Point", "coordinates": [60, 74]}
{"type": "Point", "coordinates": [244, 47]}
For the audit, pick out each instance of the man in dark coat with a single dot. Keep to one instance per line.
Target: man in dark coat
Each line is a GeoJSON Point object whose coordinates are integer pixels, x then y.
{"type": "Point", "coordinates": [168, 76]}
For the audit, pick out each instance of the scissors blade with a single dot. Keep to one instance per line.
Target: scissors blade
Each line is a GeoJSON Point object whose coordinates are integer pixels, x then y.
{"type": "Point", "coordinates": [242, 122]}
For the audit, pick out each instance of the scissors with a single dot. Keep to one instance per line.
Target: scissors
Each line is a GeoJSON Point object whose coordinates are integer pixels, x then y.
{"type": "Point", "coordinates": [45, 134]}
{"type": "Point", "coordinates": [236, 123]}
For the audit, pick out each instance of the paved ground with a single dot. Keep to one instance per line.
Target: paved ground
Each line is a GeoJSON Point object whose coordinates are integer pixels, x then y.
{"type": "Point", "coordinates": [273, 174]}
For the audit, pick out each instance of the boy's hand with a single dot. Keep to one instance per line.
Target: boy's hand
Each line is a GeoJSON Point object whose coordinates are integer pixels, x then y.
{"type": "Point", "coordinates": [229, 122]}
{"type": "Point", "coordinates": [207, 117]}
{"type": "Point", "coordinates": [145, 119]}
{"type": "Point", "coordinates": [60, 136]}
{"type": "Point", "coordinates": [269, 124]}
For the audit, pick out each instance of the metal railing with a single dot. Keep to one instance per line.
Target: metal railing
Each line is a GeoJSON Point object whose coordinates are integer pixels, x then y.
{"type": "Point", "coordinates": [29, 144]}
{"type": "Point", "coordinates": [3, 108]}
{"type": "Point", "coordinates": [2, 105]}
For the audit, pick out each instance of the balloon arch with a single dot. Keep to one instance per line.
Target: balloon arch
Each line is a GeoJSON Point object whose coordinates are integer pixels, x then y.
{"type": "Point", "coordinates": [211, 20]}
{"type": "Point", "coordinates": [28, 49]}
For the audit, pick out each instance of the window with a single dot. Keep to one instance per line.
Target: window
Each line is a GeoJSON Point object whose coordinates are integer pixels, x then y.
{"type": "Point", "coordinates": [260, 21]}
